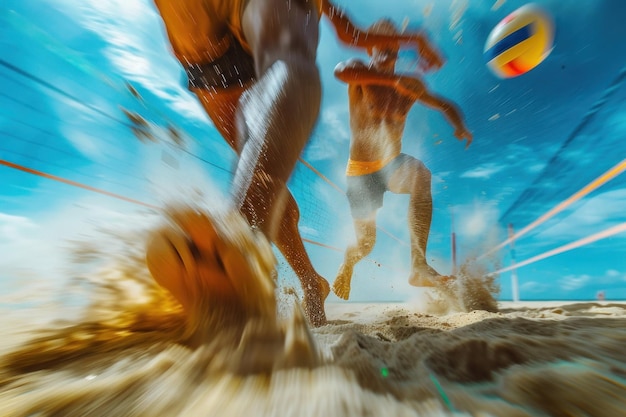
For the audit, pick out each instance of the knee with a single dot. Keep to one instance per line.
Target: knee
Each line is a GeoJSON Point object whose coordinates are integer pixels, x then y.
{"type": "Point", "coordinates": [290, 217]}
{"type": "Point", "coordinates": [366, 244]}
{"type": "Point", "coordinates": [422, 176]}
{"type": "Point", "coordinates": [422, 171]}
{"type": "Point", "coordinates": [291, 208]}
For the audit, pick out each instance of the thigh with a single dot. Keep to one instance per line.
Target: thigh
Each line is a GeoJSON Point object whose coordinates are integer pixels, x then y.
{"type": "Point", "coordinates": [407, 175]}
{"type": "Point", "coordinates": [221, 106]}
{"type": "Point", "coordinates": [365, 195]}
{"type": "Point", "coordinates": [196, 28]}
{"type": "Point", "coordinates": [278, 29]}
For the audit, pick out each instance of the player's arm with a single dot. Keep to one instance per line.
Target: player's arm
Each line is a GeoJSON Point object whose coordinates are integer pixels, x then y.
{"type": "Point", "coordinates": [451, 112]}
{"type": "Point", "coordinates": [350, 34]}
{"type": "Point", "coordinates": [356, 72]}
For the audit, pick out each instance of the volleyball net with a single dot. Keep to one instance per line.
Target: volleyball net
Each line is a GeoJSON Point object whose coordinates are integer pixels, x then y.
{"type": "Point", "coordinates": [589, 162]}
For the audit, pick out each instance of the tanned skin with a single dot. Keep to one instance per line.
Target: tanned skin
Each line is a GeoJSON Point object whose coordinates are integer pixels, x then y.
{"type": "Point", "coordinates": [380, 100]}
{"type": "Point", "coordinates": [269, 119]}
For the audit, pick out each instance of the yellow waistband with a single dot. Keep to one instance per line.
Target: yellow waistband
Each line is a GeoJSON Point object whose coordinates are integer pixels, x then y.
{"type": "Point", "coordinates": [355, 168]}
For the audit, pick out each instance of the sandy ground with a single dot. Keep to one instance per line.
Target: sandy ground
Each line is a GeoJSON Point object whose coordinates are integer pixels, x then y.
{"type": "Point", "coordinates": [133, 352]}
{"type": "Point", "coordinates": [528, 359]}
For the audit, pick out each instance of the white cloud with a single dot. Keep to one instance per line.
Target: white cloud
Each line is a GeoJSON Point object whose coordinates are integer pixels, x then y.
{"type": "Point", "coordinates": [308, 231]}
{"type": "Point", "coordinates": [14, 229]}
{"type": "Point", "coordinates": [137, 47]}
{"type": "Point", "coordinates": [35, 248]}
{"type": "Point", "coordinates": [574, 282]}
{"type": "Point", "coordinates": [533, 287]}
{"type": "Point", "coordinates": [613, 273]}
{"type": "Point", "coordinates": [484, 171]}
{"type": "Point", "coordinates": [440, 177]}
{"type": "Point", "coordinates": [89, 145]}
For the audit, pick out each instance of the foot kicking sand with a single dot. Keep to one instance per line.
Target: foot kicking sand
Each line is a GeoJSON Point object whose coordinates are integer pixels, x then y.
{"type": "Point", "coordinates": [426, 276]}
{"type": "Point", "coordinates": [446, 285]}
{"type": "Point", "coordinates": [222, 274]}
{"type": "Point", "coordinates": [313, 302]}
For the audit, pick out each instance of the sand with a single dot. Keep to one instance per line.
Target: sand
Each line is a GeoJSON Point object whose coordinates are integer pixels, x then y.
{"type": "Point", "coordinates": [127, 353]}
{"type": "Point", "coordinates": [529, 359]}
{"type": "Point", "coordinates": [551, 358]}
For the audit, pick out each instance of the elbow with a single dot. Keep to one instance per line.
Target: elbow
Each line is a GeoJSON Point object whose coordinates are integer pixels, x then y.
{"type": "Point", "coordinates": [339, 71]}
{"type": "Point", "coordinates": [341, 77]}
{"type": "Point", "coordinates": [344, 77]}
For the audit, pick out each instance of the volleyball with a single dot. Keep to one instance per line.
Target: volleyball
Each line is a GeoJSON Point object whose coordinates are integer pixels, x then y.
{"type": "Point", "coordinates": [520, 42]}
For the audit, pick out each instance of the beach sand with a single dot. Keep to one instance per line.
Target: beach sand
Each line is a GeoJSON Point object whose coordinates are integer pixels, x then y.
{"type": "Point", "coordinates": [531, 358]}
{"type": "Point", "coordinates": [528, 359]}
{"type": "Point", "coordinates": [124, 352]}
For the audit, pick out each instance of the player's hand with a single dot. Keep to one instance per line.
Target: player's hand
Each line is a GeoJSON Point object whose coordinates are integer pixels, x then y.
{"type": "Point", "coordinates": [462, 133]}
{"type": "Point", "coordinates": [431, 59]}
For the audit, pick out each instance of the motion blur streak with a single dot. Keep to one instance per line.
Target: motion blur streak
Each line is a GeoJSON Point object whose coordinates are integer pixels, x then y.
{"type": "Point", "coordinates": [581, 242]}
{"type": "Point", "coordinates": [593, 185]}
{"type": "Point", "coordinates": [74, 183]}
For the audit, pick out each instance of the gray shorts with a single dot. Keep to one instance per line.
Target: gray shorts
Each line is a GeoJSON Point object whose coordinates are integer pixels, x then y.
{"type": "Point", "coordinates": [365, 192]}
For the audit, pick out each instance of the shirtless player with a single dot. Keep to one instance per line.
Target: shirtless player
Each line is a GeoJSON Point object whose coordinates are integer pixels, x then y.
{"type": "Point", "coordinates": [252, 65]}
{"type": "Point", "coordinates": [380, 101]}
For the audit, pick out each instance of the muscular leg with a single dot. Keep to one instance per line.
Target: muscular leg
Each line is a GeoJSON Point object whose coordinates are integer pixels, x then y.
{"type": "Point", "coordinates": [365, 238]}
{"type": "Point", "coordinates": [315, 287]}
{"type": "Point", "coordinates": [214, 264]}
{"type": "Point", "coordinates": [415, 179]}
{"type": "Point", "coordinates": [279, 111]}
{"type": "Point", "coordinates": [222, 108]}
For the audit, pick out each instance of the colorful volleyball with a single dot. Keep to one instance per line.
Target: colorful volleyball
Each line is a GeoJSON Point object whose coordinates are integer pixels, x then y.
{"type": "Point", "coordinates": [520, 42]}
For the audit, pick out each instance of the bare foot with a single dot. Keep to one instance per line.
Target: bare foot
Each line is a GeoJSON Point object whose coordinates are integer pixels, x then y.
{"type": "Point", "coordinates": [222, 274]}
{"type": "Point", "coordinates": [313, 303]}
{"type": "Point", "coordinates": [426, 276]}
{"type": "Point", "coordinates": [341, 286]}
{"type": "Point", "coordinates": [216, 267]}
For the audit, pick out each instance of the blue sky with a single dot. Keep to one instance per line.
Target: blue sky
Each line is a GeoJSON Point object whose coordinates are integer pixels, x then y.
{"type": "Point", "coordinates": [67, 64]}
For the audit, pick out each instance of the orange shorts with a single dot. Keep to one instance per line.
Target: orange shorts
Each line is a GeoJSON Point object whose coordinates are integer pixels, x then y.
{"type": "Point", "coordinates": [355, 168]}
